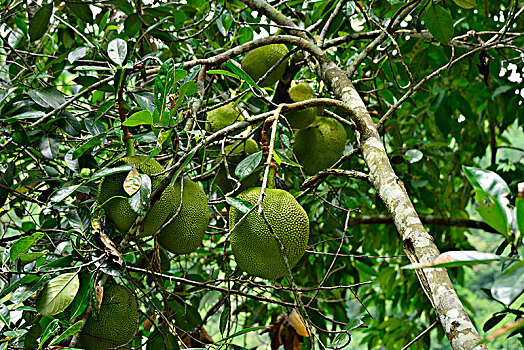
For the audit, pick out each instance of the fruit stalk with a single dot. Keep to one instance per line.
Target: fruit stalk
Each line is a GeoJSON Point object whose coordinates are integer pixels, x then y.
{"type": "Point", "coordinates": [268, 147]}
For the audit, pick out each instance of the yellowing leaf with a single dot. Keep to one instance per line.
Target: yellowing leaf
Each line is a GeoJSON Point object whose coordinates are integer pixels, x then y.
{"type": "Point", "coordinates": [132, 182]}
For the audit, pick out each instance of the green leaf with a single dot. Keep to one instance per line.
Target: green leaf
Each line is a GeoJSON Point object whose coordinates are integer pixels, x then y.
{"type": "Point", "coordinates": [132, 25]}
{"type": "Point", "coordinates": [72, 330]}
{"type": "Point", "coordinates": [40, 22]}
{"type": "Point", "coordinates": [224, 318]}
{"type": "Point", "coordinates": [490, 209]}
{"type": "Point", "coordinates": [242, 205]}
{"type": "Point", "coordinates": [139, 118]}
{"type": "Point", "coordinates": [243, 75]}
{"type": "Point", "coordinates": [342, 338]}
{"type": "Point", "coordinates": [223, 72]}
{"type": "Point", "coordinates": [77, 54]}
{"type": "Point", "coordinates": [164, 86]}
{"type": "Point", "coordinates": [117, 51]}
{"type": "Point", "coordinates": [179, 17]}
{"type": "Point", "coordinates": [247, 165]}
{"type": "Point", "coordinates": [22, 245]}
{"type": "Point", "coordinates": [458, 258]}
{"type": "Point", "coordinates": [119, 169]}
{"type": "Point", "coordinates": [57, 294]}
{"type": "Point", "coordinates": [23, 292]}
{"type": "Point", "coordinates": [103, 109]}
{"type": "Point", "coordinates": [49, 146]}
{"type": "Point", "coordinates": [5, 316]}
{"type": "Point", "coordinates": [47, 97]}
{"type": "Point", "coordinates": [52, 328]}
{"type": "Point", "coordinates": [439, 23]}
{"type": "Point", "coordinates": [90, 143]}
{"type": "Point", "coordinates": [508, 287]}
{"type": "Point", "coordinates": [62, 193]}
{"type": "Point", "coordinates": [81, 300]}
{"type": "Point", "coordinates": [519, 214]}
{"type": "Point", "coordinates": [139, 201]}
{"type": "Point", "coordinates": [82, 11]}
{"type": "Point", "coordinates": [466, 4]}
{"type": "Point", "coordinates": [487, 180]}
{"type": "Point", "coordinates": [414, 155]}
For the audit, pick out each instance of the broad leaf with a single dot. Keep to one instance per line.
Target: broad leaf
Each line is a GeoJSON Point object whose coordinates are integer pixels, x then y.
{"type": "Point", "coordinates": [490, 209]}
{"type": "Point", "coordinates": [487, 180]}
{"type": "Point", "coordinates": [49, 146]}
{"type": "Point", "coordinates": [139, 201]}
{"type": "Point", "coordinates": [47, 97]}
{"type": "Point", "coordinates": [77, 54]}
{"type": "Point", "coordinates": [439, 23]}
{"type": "Point", "coordinates": [40, 22]}
{"type": "Point", "coordinates": [132, 182]}
{"type": "Point", "coordinates": [139, 118]}
{"type": "Point", "coordinates": [22, 245]}
{"type": "Point", "coordinates": [164, 86]}
{"type": "Point", "coordinates": [508, 287]}
{"type": "Point", "coordinates": [62, 193]}
{"type": "Point", "coordinates": [58, 294]}
{"type": "Point", "coordinates": [466, 4]}
{"type": "Point", "coordinates": [247, 165]}
{"type": "Point", "coordinates": [82, 11]}
{"type": "Point", "coordinates": [72, 330]}
{"type": "Point", "coordinates": [241, 204]}
{"type": "Point", "coordinates": [117, 51]}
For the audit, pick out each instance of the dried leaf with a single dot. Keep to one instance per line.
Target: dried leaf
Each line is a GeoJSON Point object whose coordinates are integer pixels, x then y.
{"type": "Point", "coordinates": [300, 325]}
{"type": "Point", "coordinates": [111, 248]}
{"type": "Point", "coordinates": [99, 296]}
{"type": "Point", "coordinates": [148, 323]}
{"type": "Point", "coordinates": [132, 182]}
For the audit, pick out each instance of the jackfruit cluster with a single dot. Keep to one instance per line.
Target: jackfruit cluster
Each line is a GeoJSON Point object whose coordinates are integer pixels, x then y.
{"type": "Point", "coordinates": [187, 221]}
{"type": "Point", "coordinates": [116, 322]}
{"type": "Point", "coordinates": [301, 118]}
{"type": "Point", "coordinates": [234, 155]}
{"type": "Point", "coordinates": [222, 117]}
{"type": "Point", "coordinates": [258, 61]}
{"type": "Point", "coordinates": [114, 199]}
{"type": "Point", "coordinates": [189, 218]}
{"type": "Point", "coordinates": [255, 248]}
{"type": "Point", "coordinates": [320, 145]}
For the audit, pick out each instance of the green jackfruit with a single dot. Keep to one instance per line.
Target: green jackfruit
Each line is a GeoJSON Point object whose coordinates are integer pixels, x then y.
{"type": "Point", "coordinates": [320, 145]}
{"type": "Point", "coordinates": [235, 154]}
{"type": "Point", "coordinates": [186, 230]}
{"type": "Point", "coordinates": [301, 118]}
{"type": "Point", "coordinates": [222, 117]}
{"type": "Point", "coordinates": [114, 199]}
{"type": "Point", "coordinates": [258, 61]}
{"type": "Point", "coordinates": [255, 249]}
{"type": "Point", "coordinates": [116, 322]}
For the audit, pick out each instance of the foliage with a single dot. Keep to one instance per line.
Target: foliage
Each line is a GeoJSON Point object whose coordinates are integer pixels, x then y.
{"type": "Point", "coordinates": [76, 79]}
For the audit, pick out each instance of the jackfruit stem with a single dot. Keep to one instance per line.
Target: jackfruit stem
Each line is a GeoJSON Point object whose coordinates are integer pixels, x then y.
{"type": "Point", "coordinates": [130, 147]}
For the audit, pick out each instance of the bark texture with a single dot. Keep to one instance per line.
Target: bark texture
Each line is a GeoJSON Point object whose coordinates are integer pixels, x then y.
{"type": "Point", "coordinates": [417, 242]}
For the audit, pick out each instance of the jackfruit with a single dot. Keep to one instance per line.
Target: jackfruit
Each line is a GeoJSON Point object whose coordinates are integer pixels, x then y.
{"type": "Point", "coordinates": [114, 199]}
{"type": "Point", "coordinates": [320, 145]}
{"type": "Point", "coordinates": [255, 249]}
{"type": "Point", "coordinates": [301, 118]}
{"type": "Point", "coordinates": [234, 155]}
{"type": "Point", "coordinates": [185, 232]}
{"type": "Point", "coordinates": [222, 117]}
{"type": "Point", "coordinates": [116, 322]}
{"type": "Point", "coordinates": [258, 61]}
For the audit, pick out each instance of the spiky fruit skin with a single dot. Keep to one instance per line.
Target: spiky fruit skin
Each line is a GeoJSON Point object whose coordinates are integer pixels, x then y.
{"type": "Point", "coordinates": [114, 199]}
{"type": "Point", "coordinates": [234, 155]}
{"type": "Point", "coordinates": [115, 324]}
{"type": "Point", "coordinates": [258, 61]}
{"type": "Point", "coordinates": [185, 232]}
{"type": "Point", "coordinates": [222, 117]}
{"type": "Point", "coordinates": [320, 145]}
{"type": "Point", "coordinates": [302, 118]}
{"type": "Point", "coordinates": [255, 249]}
